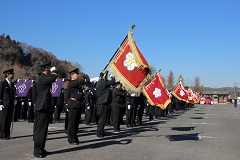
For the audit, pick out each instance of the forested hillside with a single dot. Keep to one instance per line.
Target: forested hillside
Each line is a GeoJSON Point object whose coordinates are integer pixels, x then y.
{"type": "Point", "coordinates": [25, 59]}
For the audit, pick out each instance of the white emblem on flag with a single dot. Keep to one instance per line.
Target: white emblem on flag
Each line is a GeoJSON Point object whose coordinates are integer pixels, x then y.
{"type": "Point", "coordinates": [130, 62]}
{"type": "Point", "coordinates": [21, 88]}
{"type": "Point", "coordinates": [157, 93]}
{"type": "Point", "coordinates": [182, 93]}
{"type": "Point", "coordinates": [54, 87]}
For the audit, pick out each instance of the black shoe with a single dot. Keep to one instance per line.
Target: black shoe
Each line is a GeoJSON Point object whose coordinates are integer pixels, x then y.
{"type": "Point", "coordinates": [40, 155]}
{"type": "Point", "coordinates": [6, 138]}
{"type": "Point", "coordinates": [129, 126]}
{"type": "Point", "coordinates": [74, 143]}
{"type": "Point", "coordinates": [100, 135]}
{"type": "Point", "coordinates": [46, 152]}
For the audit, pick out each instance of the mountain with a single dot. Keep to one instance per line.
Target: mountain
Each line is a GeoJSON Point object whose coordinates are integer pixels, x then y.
{"type": "Point", "coordinates": [25, 59]}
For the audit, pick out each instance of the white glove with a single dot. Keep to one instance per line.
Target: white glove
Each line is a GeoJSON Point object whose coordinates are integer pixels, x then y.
{"type": "Point", "coordinates": [67, 110]}
{"type": "Point", "coordinates": [129, 106]}
{"type": "Point", "coordinates": [88, 107]}
{"type": "Point", "coordinates": [29, 103]}
{"type": "Point", "coordinates": [15, 102]}
{"type": "Point", "coordinates": [133, 95]}
{"type": "Point", "coordinates": [53, 69]}
{"type": "Point", "coordinates": [1, 107]}
{"type": "Point", "coordinates": [22, 103]}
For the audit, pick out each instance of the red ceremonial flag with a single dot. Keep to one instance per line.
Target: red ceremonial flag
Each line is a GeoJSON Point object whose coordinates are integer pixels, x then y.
{"type": "Point", "coordinates": [179, 92]}
{"type": "Point", "coordinates": [129, 66]}
{"type": "Point", "coordinates": [156, 92]}
{"type": "Point", "coordinates": [191, 98]}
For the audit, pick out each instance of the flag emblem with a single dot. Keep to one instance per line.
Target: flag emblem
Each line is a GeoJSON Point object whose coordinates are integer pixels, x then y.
{"type": "Point", "coordinates": [157, 93]}
{"type": "Point", "coordinates": [130, 62]}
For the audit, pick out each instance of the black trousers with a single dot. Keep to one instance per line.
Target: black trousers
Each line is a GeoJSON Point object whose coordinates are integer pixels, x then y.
{"type": "Point", "coordinates": [5, 122]}
{"type": "Point", "coordinates": [88, 114]}
{"type": "Point", "coordinates": [131, 115]}
{"type": "Point", "coordinates": [41, 122]}
{"type": "Point", "coordinates": [74, 116]}
{"type": "Point", "coordinates": [109, 120]}
{"type": "Point", "coordinates": [57, 112]}
{"type": "Point", "coordinates": [151, 112]}
{"type": "Point", "coordinates": [139, 115]}
{"type": "Point", "coordinates": [23, 114]}
{"type": "Point", "coordinates": [102, 111]}
{"type": "Point", "coordinates": [30, 114]}
{"type": "Point", "coordinates": [66, 120]}
{"type": "Point", "coordinates": [116, 118]}
{"type": "Point", "coordinates": [95, 116]}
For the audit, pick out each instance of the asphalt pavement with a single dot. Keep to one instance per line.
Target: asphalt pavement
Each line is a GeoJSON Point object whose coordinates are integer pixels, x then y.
{"type": "Point", "coordinates": [203, 132]}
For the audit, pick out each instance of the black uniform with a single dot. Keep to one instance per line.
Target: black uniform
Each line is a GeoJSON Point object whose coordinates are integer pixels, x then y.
{"type": "Point", "coordinates": [141, 100]}
{"type": "Point", "coordinates": [90, 102]}
{"type": "Point", "coordinates": [7, 93]}
{"type": "Point", "coordinates": [117, 102]}
{"type": "Point", "coordinates": [30, 114]}
{"type": "Point", "coordinates": [75, 107]}
{"type": "Point", "coordinates": [131, 110]}
{"type": "Point", "coordinates": [42, 110]}
{"type": "Point", "coordinates": [103, 100]}
{"type": "Point", "coordinates": [59, 106]}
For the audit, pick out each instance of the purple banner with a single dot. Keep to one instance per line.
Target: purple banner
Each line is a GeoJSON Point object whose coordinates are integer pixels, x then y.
{"type": "Point", "coordinates": [56, 87]}
{"type": "Point", "coordinates": [22, 87]}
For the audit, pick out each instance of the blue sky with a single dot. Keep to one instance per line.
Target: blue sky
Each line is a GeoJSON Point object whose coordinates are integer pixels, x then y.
{"type": "Point", "coordinates": [190, 37]}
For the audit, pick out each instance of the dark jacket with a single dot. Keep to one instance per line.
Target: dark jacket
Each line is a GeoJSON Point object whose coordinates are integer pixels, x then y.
{"type": "Point", "coordinates": [75, 94]}
{"type": "Point", "coordinates": [90, 98]}
{"type": "Point", "coordinates": [7, 94]}
{"type": "Point", "coordinates": [44, 96]}
{"type": "Point", "coordinates": [103, 91]}
{"type": "Point", "coordinates": [117, 97]}
{"type": "Point", "coordinates": [34, 93]}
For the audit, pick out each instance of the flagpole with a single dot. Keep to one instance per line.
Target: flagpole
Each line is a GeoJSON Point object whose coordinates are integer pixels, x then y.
{"type": "Point", "coordinates": [133, 26]}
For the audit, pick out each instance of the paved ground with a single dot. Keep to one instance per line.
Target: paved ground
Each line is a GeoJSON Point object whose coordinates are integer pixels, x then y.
{"type": "Point", "coordinates": [204, 132]}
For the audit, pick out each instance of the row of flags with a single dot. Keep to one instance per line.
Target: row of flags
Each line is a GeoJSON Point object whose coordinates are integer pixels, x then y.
{"type": "Point", "coordinates": [131, 68]}
{"type": "Point", "coordinates": [23, 86]}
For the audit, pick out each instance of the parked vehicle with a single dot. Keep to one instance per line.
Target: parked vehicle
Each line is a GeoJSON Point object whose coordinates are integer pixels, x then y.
{"type": "Point", "coordinates": [207, 100]}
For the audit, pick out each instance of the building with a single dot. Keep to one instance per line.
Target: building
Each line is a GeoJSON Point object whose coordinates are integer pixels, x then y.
{"type": "Point", "coordinates": [217, 96]}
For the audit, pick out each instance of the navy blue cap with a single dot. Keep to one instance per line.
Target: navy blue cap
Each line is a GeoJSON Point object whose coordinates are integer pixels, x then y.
{"type": "Point", "coordinates": [46, 64]}
{"type": "Point", "coordinates": [9, 71]}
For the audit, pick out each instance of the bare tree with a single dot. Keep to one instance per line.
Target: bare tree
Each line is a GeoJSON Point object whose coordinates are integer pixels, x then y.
{"type": "Point", "coordinates": [170, 81]}
{"type": "Point", "coordinates": [196, 84]}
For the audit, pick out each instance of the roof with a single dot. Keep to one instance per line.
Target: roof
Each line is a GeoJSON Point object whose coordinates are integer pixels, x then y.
{"type": "Point", "coordinates": [216, 92]}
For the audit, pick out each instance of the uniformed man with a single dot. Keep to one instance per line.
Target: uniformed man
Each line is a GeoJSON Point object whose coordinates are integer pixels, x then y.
{"type": "Point", "coordinates": [103, 100]}
{"type": "Point", "coordinates": [30, 113]}
{"type": "Point", "coordinates": [131, 110]}
{"type": "Point", "coordinates": [43, 108]}
{"type": "Point", "coordinates": [6, 104]}
{"type": "Point", "coordinates": [90, 102]}
{"type": "Point", "coordinates": [75, 105]}
{"type": "Point", "coordinates": [117, 103]}
{"type": "Point", "coordinates": [59, 106]}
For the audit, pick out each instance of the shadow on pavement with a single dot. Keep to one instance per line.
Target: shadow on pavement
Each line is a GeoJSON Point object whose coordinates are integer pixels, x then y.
{"type": "Point", "coordinates": [183, 137]}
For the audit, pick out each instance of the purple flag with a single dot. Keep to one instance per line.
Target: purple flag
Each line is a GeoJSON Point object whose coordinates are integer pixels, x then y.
{"type": "Point", "coordinates": [22, 87]}
{"type": "Point", "coordinates": [56, 87]}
